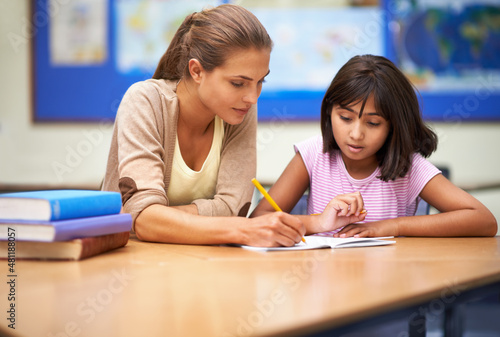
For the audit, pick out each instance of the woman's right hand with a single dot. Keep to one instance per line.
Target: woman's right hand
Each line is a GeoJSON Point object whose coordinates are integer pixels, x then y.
{"type": "Point", "coordinates": [272, 230]}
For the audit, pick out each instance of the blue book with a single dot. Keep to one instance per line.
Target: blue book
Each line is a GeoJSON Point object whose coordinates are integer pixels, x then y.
{"type": "Point", "coordinates": [63, 230]}
{"type": "Point", "coordinates": [53, 205]}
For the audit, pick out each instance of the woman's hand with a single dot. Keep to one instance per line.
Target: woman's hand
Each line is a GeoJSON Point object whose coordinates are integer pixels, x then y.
{"type": "Point", "coordinates": [272, 230]}
{"type": "Point", "coordinates": [342, 210]}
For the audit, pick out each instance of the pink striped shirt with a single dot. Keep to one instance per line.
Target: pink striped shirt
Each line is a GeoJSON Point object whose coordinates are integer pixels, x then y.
{"type": "Point", "coordinates": [328, 178]}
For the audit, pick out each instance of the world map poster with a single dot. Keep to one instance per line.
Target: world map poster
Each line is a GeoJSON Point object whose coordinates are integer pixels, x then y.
{"type": "Point", "coordinates": [447, 45]}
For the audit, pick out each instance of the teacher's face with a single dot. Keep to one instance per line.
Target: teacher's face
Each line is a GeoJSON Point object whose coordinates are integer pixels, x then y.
{"type": "Point", "coordinates": [231, 89]}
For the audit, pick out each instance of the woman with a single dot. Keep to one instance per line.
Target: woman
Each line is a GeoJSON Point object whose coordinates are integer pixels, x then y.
{"type": "Point", "coordinates": [183, 146]}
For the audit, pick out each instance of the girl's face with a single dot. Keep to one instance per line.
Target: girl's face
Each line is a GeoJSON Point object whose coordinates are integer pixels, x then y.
{"type": "Point", "coordinates": [231, 89]}
{"type": "Point", "coordinates": [359, 139]}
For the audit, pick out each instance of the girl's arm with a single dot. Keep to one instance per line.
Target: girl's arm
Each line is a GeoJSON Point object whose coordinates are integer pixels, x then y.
{"type": "Point", "coordinates": [461, 215]}
{"type": "Point", "coordinates": [159, 223]}
{"type": "Point", "coordinates": [290, 187]}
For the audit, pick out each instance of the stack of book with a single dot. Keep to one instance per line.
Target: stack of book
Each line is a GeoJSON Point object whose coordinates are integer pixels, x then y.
{"type": "Point", "coordinates": [61, 224]}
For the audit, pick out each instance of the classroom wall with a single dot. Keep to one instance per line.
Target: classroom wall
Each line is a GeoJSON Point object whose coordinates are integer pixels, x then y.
{"type": "Point", "coordinates": [75, 154]}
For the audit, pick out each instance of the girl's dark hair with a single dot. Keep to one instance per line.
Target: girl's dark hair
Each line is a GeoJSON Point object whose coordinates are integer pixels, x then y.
{"type": "Point", "coordinates": [395, 100]}
{"type": "Point", "coordinates": [210, 36]}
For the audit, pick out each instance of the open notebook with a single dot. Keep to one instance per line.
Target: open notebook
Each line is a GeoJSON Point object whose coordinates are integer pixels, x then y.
{"type": "Point", "coordinates": [318, 242]}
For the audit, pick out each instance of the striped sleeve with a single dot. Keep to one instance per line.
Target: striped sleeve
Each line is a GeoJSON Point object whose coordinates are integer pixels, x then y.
{"type": "Point", "coordinates": [422, 171]}
{"type": "Point", "coordinates": [308, 150]}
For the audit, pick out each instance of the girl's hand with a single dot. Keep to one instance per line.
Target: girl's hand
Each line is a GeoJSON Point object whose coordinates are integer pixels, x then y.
{"type": "Point", "coordinates": [342, 210]}
{"type": "Point", "coordinates": [372, 229]}
{"type": "Point", "coordinates": [272, 230]}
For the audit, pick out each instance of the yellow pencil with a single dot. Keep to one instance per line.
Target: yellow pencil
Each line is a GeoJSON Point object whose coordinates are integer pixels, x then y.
{"type": "Point", "coordinates": [268, 198]}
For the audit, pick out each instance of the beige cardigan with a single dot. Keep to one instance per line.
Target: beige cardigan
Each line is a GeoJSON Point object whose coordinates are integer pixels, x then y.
{"type": "Point", "coordinates": [142, 148]}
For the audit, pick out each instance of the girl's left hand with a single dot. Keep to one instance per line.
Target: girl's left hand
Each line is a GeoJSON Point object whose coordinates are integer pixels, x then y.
{"type": "Point", "coordinates": [371, 229]}
{"type": "Point", "coordinates": [342, 210]}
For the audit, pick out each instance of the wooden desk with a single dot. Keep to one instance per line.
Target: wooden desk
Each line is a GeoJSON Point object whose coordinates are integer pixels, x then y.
{"type": "Point", "coordinates": [150, 289]}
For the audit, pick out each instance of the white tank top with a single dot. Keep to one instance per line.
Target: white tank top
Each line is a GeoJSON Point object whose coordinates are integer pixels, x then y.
{"type": "Point", "coordinates": [187, 185]}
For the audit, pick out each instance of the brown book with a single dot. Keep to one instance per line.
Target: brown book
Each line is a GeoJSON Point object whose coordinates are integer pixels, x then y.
{"type": "Point", "coordinates": [76, 249]}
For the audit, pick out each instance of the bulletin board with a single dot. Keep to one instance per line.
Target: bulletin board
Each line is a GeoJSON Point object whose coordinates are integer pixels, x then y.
{"type": "Point", "coordinates": [75, 78]}
{"type": "Point", "coordinates": [89, 52]}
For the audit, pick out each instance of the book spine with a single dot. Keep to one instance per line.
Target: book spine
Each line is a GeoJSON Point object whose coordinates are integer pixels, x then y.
{"type": "Point", "coordinates": [95, 246]}
{"type": "Point", "coordinates": [72, 208]}
{"type": "Point", "coordinates": [91, 226]}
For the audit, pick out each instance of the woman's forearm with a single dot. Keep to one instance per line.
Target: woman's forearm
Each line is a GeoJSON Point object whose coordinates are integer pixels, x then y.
{"type": "Point", "coordinates": [158, 223]}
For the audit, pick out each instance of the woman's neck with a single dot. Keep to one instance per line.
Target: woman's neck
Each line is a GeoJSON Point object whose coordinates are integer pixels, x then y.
{"type": "Point", "coordinates": [193, 115]}
{"type": "Point", "coordinates": [195, 127]}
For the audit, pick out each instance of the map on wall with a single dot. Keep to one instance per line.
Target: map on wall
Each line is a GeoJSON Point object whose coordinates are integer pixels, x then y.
{"type": "Point", "coordinates": [461, 43]}
{"type": "Point", "coordinates": [144, 29]}
{"type": "Point", "coordinates": [310, 43]}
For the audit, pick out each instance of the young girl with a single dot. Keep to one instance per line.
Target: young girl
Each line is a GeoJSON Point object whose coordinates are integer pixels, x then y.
{"type": "Point", "coordinates": [367, 172]}
{"type": "Point", "coordinates": [183, 147]}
